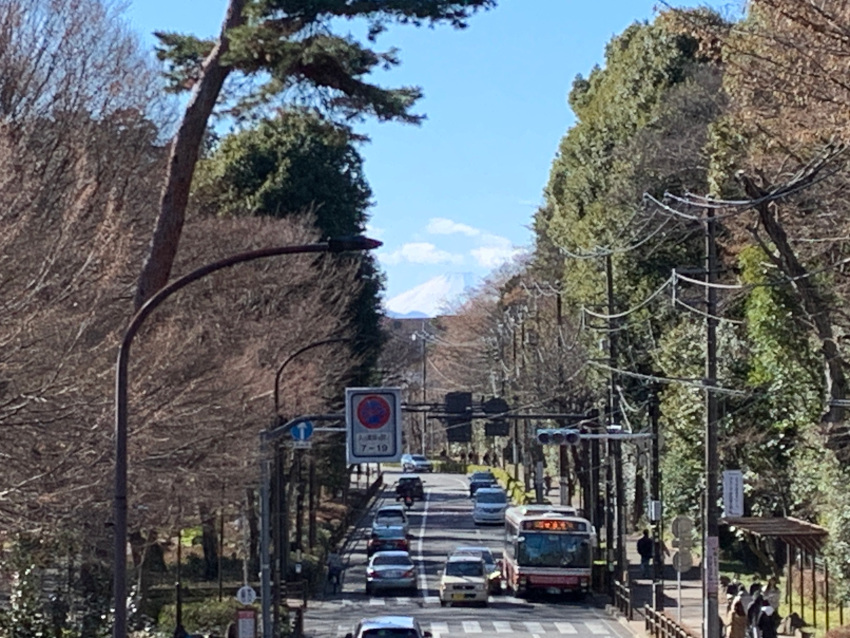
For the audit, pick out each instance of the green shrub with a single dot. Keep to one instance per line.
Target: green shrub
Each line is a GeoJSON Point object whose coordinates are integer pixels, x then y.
{"type": "Point", "coordinates": [208, 615]}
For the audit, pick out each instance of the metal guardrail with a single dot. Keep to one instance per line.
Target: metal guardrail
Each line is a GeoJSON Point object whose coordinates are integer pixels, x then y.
{"type": "Point", "coordinates": [623, 599]}
{"type": "Point", "coordinates": [660, 625]}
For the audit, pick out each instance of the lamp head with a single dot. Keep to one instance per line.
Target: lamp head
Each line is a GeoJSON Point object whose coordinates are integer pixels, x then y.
{"type": "Point", "coordinates": [352, 243]}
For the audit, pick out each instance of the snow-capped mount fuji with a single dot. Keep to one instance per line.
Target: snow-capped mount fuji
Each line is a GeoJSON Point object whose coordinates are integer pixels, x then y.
{"type": "Point", "coordinates": [430, 298]}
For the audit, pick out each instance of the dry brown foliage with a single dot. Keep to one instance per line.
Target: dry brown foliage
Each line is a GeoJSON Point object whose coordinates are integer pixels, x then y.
{"type": "Point", "coordinates": [80, 167]}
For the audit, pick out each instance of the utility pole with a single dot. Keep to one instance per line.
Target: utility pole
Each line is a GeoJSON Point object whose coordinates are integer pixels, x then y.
{"type": "Point", "coordinates": [655, 497]}
{"type": "Point", "coordinates": [615, 447]}
{"type": "Point", "coordinates": [711, 619]}
{"type": "Point", "coordinates": [564, 482]}
{"type": "Point", "coordinates": [424, 386]}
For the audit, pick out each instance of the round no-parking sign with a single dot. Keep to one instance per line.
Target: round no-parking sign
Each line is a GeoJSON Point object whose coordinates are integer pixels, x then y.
{"type": "Point", "coordinates": [374, 412]}
{"type": "Point", "coordinates": [373, 424]}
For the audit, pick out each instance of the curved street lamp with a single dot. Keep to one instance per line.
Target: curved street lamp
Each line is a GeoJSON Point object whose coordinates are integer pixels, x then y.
{"type": "Point", "coordinates": [119, 585]}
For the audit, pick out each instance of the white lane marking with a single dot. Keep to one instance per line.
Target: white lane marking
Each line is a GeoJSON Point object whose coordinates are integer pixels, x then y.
{"type": "Point", "coordinates": [471, 627]}
{"type": "Point", "coordinates": [534, 627]}
{"type": "Point", "coordinates": [502, 627]}
{"type": "Point", "coordinates": [438, 628]}
{"type": "Point", "coordinates": [596, 628]}
{"type": "Point", "coordinates": [566, 627]}
{"type": "Point", "coordinates": [420, 557]}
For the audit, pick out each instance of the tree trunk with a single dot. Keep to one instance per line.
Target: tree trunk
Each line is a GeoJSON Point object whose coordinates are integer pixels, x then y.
{"type": "Point", "coordinates": [209, 541]}
{"type": "Point", "coordinates": [819, 314]}
{"type": "Point", "coordinates": [181, 163]}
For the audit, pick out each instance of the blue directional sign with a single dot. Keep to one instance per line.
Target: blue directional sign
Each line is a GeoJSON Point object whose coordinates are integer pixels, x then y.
{"type": "Point", "coordinates": [302, 431]}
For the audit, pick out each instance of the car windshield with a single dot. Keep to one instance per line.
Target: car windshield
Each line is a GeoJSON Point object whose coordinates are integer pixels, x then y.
{"type": "Point", "coordinates": [390, 632]}
{"type": "Point", "coordinates": [482, 476]}
{"type": "Point", "coordinates": [464, 568]}
{"type": "Point", "coordinates": [539, 549]}
{"type": "Point", "coordinates": [418, 457]}
{"type": "Point", "coordinates": [403, 561]}
{"type": "Point", "coordinates": [491, 497]}
{"type": "Point", "coordinates": [409, 479]}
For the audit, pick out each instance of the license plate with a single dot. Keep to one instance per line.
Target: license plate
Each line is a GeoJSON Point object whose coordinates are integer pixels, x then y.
{"type": "Point", "coordinates": [458, 596]}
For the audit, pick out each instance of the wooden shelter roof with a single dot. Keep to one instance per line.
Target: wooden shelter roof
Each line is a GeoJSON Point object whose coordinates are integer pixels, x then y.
{"type": "Point", "coordinates": [793, 531]}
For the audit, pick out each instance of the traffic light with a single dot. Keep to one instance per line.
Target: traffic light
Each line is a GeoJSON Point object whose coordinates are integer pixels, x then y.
{"type": "Point", "coordinates": [558, 436]}
{"type": "Point", "coordinates": [459, 423]}
{"type": "Point", "coordinates": [496, 426]}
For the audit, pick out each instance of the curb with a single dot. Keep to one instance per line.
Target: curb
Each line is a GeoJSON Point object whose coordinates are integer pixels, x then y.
{"type": "Point", "coordinates": [615, 613]}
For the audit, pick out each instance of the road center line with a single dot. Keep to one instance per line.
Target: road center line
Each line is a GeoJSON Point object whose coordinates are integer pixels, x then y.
{"type": "Point", "coordinates": [420, 558]}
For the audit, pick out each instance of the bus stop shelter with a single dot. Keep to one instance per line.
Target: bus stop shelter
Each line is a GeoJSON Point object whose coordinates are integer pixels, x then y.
{"type": "Point", "coordinates": [804, 543]}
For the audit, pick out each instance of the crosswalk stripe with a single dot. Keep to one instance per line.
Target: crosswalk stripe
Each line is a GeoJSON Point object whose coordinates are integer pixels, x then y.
{"type": "Point", "coordinates": [439, 628]}
{"type": "Point", "coordinates": [377, 601]}
{"type": "Point", "coordinates": [596, 628]}
{"type": "Point", "coordinates": [471, 627]}
{"type": "Point", "coordinates": [566, 628]}
{"type": "Point", "coordinates": [431, 600]}
{"type": "Point", "coordinates": [502, 627]}
{"type": "Point", "coordinates": [534, 627]}
{"type": "Point", "coordinates": [403, 600]}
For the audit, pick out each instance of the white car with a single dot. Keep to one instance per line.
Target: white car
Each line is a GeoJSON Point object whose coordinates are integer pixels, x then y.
{"type": "Point", "coordinates": [464, 579]}
{"type": "Point", "coordinates": [416, 463]}
{"type": "Point", "coordinates": [494, 570]}
{"type": "Point", "coordinates": [388, 627]}
{"type": "Point", "coordinates": [391, 516]}
{"type": "Point", "coordinates": [489, 505]}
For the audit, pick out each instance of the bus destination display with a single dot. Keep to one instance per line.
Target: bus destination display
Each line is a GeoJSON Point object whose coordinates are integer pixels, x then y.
{"type": "Point", "coordinates": [554, 525]}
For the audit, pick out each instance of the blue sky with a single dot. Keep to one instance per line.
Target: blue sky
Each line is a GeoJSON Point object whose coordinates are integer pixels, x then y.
{"type": "Point", "coordinates": [457, 194]}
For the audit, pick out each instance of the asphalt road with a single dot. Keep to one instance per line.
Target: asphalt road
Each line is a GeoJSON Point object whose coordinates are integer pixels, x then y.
{"type": "Point", "coordinates": [439, 524]}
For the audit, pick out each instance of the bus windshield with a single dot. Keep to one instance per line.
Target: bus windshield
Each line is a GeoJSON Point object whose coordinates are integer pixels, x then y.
{"type": "Point", "coordinates": [541, 549]}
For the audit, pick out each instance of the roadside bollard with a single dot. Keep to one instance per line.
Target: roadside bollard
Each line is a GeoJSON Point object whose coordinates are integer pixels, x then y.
{"type": "Point", "coordinates": [298, 628]}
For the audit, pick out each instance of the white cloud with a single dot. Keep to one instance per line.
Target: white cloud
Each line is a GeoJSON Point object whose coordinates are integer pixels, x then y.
{"type": "Point", "coordinates": [375, 232]}
{"type": "Point", "coordinates": [494, 251]}
{"type": "Point", "coordinates": [443, 226]}
{"type": "Point", "coordinates": [421, 253]}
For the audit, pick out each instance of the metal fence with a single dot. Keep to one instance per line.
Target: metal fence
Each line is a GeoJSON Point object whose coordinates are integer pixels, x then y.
{"type": "Point", "coordinates": [660, 625]}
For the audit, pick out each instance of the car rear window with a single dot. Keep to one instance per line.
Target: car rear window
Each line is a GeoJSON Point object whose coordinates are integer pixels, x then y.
{"type": "Point", "coordinates": [491, 497]}
{"type": "Point", "coordinates": [388, 532]}
{"type": "Point", "coordinates": [464, 568]}
{"type": "Point", "coordinates": [393, 560]}
{"type": "Point", "coordinates": [419, 457]}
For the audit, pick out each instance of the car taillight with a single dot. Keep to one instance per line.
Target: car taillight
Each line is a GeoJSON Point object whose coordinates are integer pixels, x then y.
{"type": "Point", "coordinates": [370, 572]}
{"type": "Point", "coordinates": [408, 573]}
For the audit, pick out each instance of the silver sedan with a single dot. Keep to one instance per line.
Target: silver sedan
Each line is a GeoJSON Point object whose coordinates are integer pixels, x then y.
{"type": "Point", "coordinates": [390, 570]}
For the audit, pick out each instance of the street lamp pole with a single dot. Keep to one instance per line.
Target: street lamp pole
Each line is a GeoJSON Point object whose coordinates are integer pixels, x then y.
{"type": "Point", "coordinates": [280, 510]}
{"type": "Point", "coordinates": [119, 585]}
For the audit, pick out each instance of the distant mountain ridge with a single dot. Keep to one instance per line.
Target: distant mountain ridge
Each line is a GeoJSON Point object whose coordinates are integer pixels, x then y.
{"type": "Point", "coordinates": [432, 298]}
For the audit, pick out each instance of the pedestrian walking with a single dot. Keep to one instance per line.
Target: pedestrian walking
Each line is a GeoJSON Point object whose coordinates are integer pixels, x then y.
{"type": "Point", "coordinates": [334, 570]}
{"type": "Point", "coordinates": [547, 481]}
{"type": "Point", "coordinates": [645, 548]}
{"type": "Point", "coordinates": [736, 619]}
{"type": "Point", "coordinates": [754, 608]}
{"type": "Point", "coordinates": [767, 621]}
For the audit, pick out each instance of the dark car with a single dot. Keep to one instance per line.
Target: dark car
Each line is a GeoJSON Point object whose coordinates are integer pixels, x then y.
{"type": "Point", "coordinates": [391, 537]}
{"type": "Point", "coordinates": [409, 482]}
{"type": "Point", "coordinates": [480, 479]}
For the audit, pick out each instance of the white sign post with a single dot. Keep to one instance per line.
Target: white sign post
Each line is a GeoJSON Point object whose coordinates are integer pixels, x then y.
{"type": "Point", "coordinates": [733, 494]}
{"type": "Point", "coordinates": [373, 425]}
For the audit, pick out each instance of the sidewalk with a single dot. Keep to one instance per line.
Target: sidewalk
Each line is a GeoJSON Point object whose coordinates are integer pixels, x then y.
{"type": "Point", "coordinates": [691, 609]}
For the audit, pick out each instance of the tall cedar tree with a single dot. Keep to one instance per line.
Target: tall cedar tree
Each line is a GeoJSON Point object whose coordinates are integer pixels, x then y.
{"type": "Point", "coordinates": [292, 44]}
